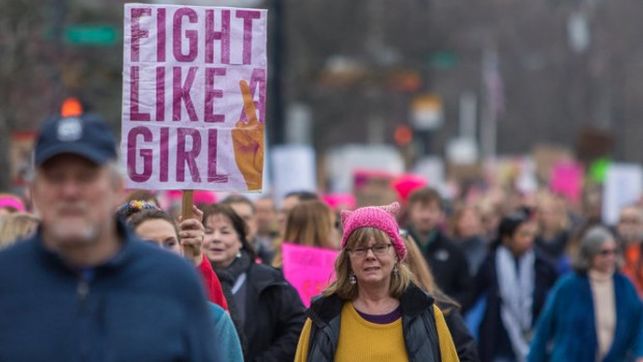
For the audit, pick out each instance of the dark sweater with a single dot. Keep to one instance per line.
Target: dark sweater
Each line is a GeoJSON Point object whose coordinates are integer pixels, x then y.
{"type": "Point", "coordinates": [448, 264]}
{"type": "Point", "coordinates": [272, 311]}
{"type": "Point", "coordinates": [143, 305]}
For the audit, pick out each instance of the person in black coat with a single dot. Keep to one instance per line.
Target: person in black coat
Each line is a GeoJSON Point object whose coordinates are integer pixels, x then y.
{"type": "Point", "coordinates": [446, 260]}
{"type": "Point", "coordinates": [463, 340]}
{"type": "Point", "coordinates": [266, 309]}
{"type": "Point", "coordinates": [513, 281]}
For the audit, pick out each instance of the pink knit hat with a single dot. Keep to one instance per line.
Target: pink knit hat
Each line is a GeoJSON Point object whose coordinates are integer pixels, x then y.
{"type": "Point", "coordinates": [11, 201]}
{"type": "Point", "coordinates": [377, 217]}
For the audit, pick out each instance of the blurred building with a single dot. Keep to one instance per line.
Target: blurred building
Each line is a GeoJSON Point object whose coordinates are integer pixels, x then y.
{"type": "Point", "coordinates": [545, 71]}
{"type": "Point", "coordinates": [354, 72]}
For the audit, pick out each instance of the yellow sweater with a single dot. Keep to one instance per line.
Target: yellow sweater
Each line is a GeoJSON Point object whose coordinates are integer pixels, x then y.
{"type": "Point", "coordinates": [361, 340]}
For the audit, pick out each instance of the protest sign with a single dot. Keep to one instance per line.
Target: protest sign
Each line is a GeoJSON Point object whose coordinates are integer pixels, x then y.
{"type": "Point", "coordinates": [373, 187]}
{"type": "Point", "coordinates": [293, 169]}
{"type": "Point", "coordinates": [194, 97]}
{"type": "Point", "coordinates": [308, 269]}
{"type": "Point", "coordinates": [342, 162]}
{"type": "Point", "coordinates": [623, 186]}
{"type": "Point", "coordinates": [567, 180]}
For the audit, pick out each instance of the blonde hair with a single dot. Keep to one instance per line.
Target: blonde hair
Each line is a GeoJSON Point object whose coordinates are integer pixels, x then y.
{"type": "Point", "coordinates": [418, 265]}
{"type": "Point", "coordinates": [309, 223]}
{"type": "Point", "coordinates": [16, 226]}
{"type": "Point", "coordinates": [548, 202]}
{"type": "Point", "coordinates": [342, 286]}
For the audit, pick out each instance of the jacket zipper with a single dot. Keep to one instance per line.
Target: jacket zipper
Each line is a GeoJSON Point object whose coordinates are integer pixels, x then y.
{"type": "Point", "coordinates": [82, 291]}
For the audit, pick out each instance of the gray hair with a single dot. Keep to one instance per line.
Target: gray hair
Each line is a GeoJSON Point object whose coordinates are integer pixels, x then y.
{"type": "Point", "coordinates": [590, 246]}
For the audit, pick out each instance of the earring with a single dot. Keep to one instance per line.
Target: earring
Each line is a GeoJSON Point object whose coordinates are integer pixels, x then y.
{"type": "Point", "coordinates": [395, 269]}
{"type": "Point", "coordinates": [352, 279]}
{"type": "Point", "coordinates": [238, 253]}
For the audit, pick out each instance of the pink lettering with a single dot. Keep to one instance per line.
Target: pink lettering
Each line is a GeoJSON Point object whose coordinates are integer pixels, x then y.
{"type": "Point", "coordinates": [211, 93]}
{"type": "Point", "coordinates": [181, 92]}
{"type": "Point", "coordinates": [223, 36]}
{"type": "Point", "coordinates": [160, 94]}
{"type": "Point", "coordinates": [160, 35]}
{"type": "Point", "coordinates": [191, 35]}
{"type": "Point", "coordinates": [136, 32]}
{"type": "Point", "coordinates": [247, 16]}
{"type": "Point", "coordinates": [165, 154]}
{"type": "Point", "coordinates": [146, 154]}
{"type": "Point", "coordinates": [135, 115]}
{"type": "Point", "coordinates": [257, 80]}
{"type": "Point", "coordinates": [184, 157]}
{"type": "Point", "coordinates": [212, 158]}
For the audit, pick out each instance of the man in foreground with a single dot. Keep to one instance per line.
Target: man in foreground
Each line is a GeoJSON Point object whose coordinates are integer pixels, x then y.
{"type": "Point", "coordinates": [84, 288]}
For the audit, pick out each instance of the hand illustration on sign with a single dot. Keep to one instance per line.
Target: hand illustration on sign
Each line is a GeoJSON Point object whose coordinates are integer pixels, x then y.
{"type": "Point", "coordinates": [247, 138]}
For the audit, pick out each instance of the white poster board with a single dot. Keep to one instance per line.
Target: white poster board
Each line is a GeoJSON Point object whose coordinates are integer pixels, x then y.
{"type": "Point", "coordinates": [622, 187]}
{"type": "Point", "coordinates": [293, 169]}
{"type": "Point", "coordinates": [194, 97]}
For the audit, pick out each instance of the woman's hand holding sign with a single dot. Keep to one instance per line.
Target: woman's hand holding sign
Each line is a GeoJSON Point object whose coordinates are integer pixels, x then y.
{"type": "Point", "coordinates": [248, 141]}
{"type": "Point", "coordinates": [191, 235]}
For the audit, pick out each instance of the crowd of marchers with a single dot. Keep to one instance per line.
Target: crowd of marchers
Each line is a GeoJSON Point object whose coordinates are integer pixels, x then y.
{"type": "Point", "coordinates": [90, 271]}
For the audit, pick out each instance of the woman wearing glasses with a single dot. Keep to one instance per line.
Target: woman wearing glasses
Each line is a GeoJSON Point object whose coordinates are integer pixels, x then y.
{"type": "Point", "coordinates": [374, 311]}
{"type": "Point", "coordinates": [594, 313]}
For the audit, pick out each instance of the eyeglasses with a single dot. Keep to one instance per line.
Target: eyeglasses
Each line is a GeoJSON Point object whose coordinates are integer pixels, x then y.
{"type": "Point", "coordinates": [377, 249]}
{"type": "Point", "coordinates": [607, 252]}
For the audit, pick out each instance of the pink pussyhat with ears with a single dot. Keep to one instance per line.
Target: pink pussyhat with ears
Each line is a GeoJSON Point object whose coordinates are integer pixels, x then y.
{"type": "Point", "coordinates": [377, 217]}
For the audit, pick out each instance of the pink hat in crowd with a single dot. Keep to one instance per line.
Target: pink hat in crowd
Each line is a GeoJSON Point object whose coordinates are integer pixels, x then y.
{"type": "Point", "coordinates": [339, 201]}
{"type": "Point", "coordinates": [377, 217]}
{"type": "Point", "coordinates": [405, 184]}
{"type": "Point", "coordinates": [11, 201]}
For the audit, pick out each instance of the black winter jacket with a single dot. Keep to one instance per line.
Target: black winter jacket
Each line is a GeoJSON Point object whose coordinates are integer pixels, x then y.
{"type": "Point", "coordinates": [448, 264]}
{"type": "Point", "coordinates": [418, 326]}
{"type": "Point", "coordinates": [464, 342]}
{"type": "Point", "coordinates": [274, 314]}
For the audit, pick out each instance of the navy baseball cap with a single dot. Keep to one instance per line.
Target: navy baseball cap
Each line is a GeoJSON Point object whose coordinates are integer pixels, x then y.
{"type": "Point", "coordinates": [86, 136]}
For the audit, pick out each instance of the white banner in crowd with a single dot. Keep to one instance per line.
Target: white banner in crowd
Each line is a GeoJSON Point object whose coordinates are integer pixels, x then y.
{"type": "Point", "coordinates": [186, 71]}
{"type": "Point", "coordinates": [623, 186]}
{"type": "Point", "coordinates": [293, 169]}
